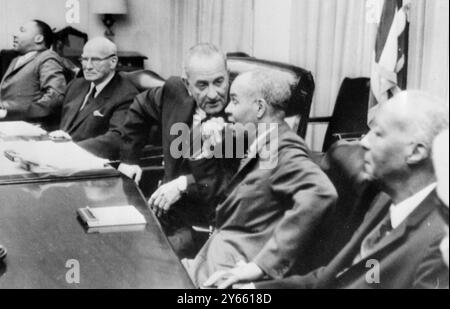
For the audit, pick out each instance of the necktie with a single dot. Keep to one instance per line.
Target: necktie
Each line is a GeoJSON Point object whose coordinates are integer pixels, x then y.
{"type": "Point", "coordinates": [90, 98]}
{"type": "Point", "coordinates": [374, 238]}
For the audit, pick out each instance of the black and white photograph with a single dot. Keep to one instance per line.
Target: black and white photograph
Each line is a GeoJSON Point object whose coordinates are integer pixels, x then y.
{"type": "Point", "coordinates": [246, 146]}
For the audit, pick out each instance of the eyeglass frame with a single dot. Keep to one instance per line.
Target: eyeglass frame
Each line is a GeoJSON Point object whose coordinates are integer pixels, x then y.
{"type": "Point", "coordinates": [94, 60]}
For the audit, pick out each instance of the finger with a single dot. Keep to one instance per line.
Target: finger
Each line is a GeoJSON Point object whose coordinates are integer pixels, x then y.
{"type": "Point", "coordinates": [227, 283]}
{"type": "Point", "coordinates": [138, 176]}
{"type": "Point", "coordinates": [152, 199]}
{"type": "Point", "coordinates": [215, 278]}
{"type": "Point", "coordinates": [158, 200]}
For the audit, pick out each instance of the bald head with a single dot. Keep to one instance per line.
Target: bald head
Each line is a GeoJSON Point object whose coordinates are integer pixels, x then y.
{"type": "Point", "coordinates": [99, 59]}
{"type": "Point", "coordinates": [419, 115]}
{"type": "Point", "coordinates": [102, 46]}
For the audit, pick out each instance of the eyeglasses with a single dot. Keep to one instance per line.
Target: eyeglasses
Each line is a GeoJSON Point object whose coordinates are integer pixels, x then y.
{"type": "Point", "coordinates": [94, 60]}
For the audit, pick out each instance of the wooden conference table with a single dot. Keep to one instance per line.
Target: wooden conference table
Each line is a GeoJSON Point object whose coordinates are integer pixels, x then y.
{"type": "Point", "coordinates": [48, 247]}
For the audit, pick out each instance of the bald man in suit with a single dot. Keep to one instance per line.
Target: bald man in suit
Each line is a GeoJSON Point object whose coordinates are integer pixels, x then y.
{"type": "Point", "coordinates": [96, 106]}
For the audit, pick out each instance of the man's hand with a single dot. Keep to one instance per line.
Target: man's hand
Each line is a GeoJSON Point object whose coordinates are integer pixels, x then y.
{"type": "Point", "coordinates": [168, 194]}
{"type": "Point", "coordinates": [131, 171]}
{"type": "Point", "coordinates": [242, 273]}
{"type": "Point", "coordinates": [212, 130]}
{"type": "Point", "coordinates": [59, 136]}
{"type": "Point", "coordinates": [3, 110]}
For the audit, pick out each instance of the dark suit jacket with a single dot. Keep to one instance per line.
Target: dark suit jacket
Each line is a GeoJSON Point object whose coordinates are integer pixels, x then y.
{"type": "Point", "coordinates": [166, 106]}
{"type": "Point", "coordinates": [35, 89]}
{"type": "Point", "coordinates": [270, 212]}
{"type": "Point", "coordinates": [98, 127]}
{"type": "Point", "coordinates": [409, 257]}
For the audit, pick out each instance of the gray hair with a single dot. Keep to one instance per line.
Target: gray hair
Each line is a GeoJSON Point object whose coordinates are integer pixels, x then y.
{"type": "Point", "coordinates": [425, 115]}
{"type": "Point", "coordinates": [202, 50]}
{"type": "Point", "coordinates": [274, 86]}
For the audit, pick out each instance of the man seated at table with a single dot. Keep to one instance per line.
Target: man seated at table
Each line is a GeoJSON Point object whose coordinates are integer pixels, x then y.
{"type": "Point", "coordinates": [397, 245]}
{"type": "Point", "coordinates": [190, 102]}
{"type": "Point", "coordinates": [32, 88]}
{"type": "Point", "coordinates": [95, 106]}
{"type": "Point", "coordinates": [277, 198]}
{"type": "Point", "coordinates": [441, 166]}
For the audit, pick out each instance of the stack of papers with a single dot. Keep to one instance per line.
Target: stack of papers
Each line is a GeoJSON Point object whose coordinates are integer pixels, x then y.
{"type": "Point", "coordinates": [10, 129]}
{"type": "Point", "coordinates": [48, 156]}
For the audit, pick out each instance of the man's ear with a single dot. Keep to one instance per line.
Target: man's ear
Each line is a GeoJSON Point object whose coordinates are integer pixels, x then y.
{"type": "Point", "coordinates": [186, 84]}
{"type": "Point", "coordinates": [418, 154]}
{"type": "Point", "coordinates": [39, 39]}
{"type": "Point", "coordinates": [262, 108]}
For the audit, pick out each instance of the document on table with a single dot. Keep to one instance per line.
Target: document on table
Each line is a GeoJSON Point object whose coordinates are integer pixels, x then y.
{"type": "Point", "coordinates": [20, 128]}
{"type": "Point", "coordinates": [48, 156]}
{"type": "Point", "coordinates": [111, 217]}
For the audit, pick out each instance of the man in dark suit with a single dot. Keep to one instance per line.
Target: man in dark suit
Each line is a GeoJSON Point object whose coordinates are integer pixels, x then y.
{"type": "Point", "coordinates": [397, 245]}
{"type": "Point", "coordinates": [95, 106]}
{"type": "Point", "coordinates": [277, 198]}
{"type": "Point", "coordinates": [182, 103]}
{"type": "Point", "coordinates": [32, 88]}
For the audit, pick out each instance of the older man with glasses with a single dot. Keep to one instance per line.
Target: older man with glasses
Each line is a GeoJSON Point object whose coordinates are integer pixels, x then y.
{"type": "Point", "coordinates": [95, 106]}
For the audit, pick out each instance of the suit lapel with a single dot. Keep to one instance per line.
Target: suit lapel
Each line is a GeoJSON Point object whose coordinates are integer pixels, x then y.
{"type": "Point", "coordinates": [99, 101]}
{"type": "Point", "coordinates": [344, 260]}
{"type": "Point", "coordinates": [418, 215]}
{"type": "Point", "coordinates": [74, 108]}
{"type": "Point", "coordinates": [12, 68]}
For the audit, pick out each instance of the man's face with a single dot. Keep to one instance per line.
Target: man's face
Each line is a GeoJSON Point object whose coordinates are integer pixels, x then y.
{"type": "Point", "coordinates": [387, 146]}
{"type": "Point", "coordinates": [208, 83]}
{"type": "Point", "coordinates": [24, 40]}
{"type": "Point", "coordinates": [243, 107]}
{"type": "Point", "coordinates": [97, 63]}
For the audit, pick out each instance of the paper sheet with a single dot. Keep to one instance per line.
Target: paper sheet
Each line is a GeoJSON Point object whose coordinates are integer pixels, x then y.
{"type": "Point", "coordinates": [20, 128]}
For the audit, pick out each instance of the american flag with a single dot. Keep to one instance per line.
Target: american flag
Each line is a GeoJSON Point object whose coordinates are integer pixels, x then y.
{"type": "Point", "coordinates": [389, 69]}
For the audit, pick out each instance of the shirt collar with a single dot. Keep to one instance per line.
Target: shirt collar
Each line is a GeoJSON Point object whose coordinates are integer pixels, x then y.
{"type": "Point", "coordinates": [99, 88]}
{"type": "Point", "coordinates": [402, 210]}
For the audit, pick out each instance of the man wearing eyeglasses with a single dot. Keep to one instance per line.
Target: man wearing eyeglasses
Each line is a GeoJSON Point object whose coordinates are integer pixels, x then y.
{"type": "Point", "coordinates": [33, 86]}
{"type": "Point", "coordinates": [95, 106]}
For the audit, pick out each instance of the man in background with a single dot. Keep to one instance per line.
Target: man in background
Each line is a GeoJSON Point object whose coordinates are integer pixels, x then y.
{"type": "Point", "coordinates": [33, 86]}
{"type": "Point", "coordinates": [95, 106]}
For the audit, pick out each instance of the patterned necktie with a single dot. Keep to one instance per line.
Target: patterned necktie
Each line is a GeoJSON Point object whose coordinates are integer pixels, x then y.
{"type": "Point", "coordinates": [374, 238]}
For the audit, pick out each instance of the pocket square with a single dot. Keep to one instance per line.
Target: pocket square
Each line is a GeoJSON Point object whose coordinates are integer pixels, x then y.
{"type": "Point", "coordinates": [98, 114]}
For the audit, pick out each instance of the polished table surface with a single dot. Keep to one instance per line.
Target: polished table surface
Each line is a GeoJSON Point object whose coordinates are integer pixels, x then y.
{"type": "Point", "coordinates": [40, 229]}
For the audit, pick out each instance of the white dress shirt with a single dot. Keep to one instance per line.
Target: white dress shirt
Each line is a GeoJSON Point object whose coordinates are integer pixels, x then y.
{"type": "Point", "coordinates": [402, 210]}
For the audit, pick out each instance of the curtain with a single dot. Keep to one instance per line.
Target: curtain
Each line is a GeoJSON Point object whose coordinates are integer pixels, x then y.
{"type": "Point", "coordinates": [334, 40]}
{"type": "Point", "coordinates": [428, 67]}
{"type": "Point", "coordinates": [226, 23]}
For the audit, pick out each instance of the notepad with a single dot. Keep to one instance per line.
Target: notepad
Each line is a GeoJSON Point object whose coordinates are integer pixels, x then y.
{"type": "Point", "coordinates": [117, 216]}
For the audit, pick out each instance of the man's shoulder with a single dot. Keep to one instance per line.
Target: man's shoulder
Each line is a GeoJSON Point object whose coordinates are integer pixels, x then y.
{"type": "Point", "coordinates": [125, 86]}
{"type": "Point", "coordinates": [48, 54]}
{"type": "Point", "coordinates": [173, 91]}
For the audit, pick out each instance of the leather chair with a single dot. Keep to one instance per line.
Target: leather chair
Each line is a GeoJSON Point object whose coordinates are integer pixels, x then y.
{"type": "Point", "coordinates": [343, 163]}
{"type": "Point", "coordinates": [144, 79]}
{"type": "Point", "coordinates": [349, 118]}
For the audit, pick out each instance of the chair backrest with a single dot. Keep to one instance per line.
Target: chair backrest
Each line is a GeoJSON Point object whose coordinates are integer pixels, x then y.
{"type": "Point", "coordinates": [69, 42]}
{"type": "Point", "coordinates": [350, 111]}
{"type": "Point", "coordinates": [344, 165]}
{"type": "Point", "coordinates": [303, 89]}
{"type": "Point", "coordinates": [144, 79]}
